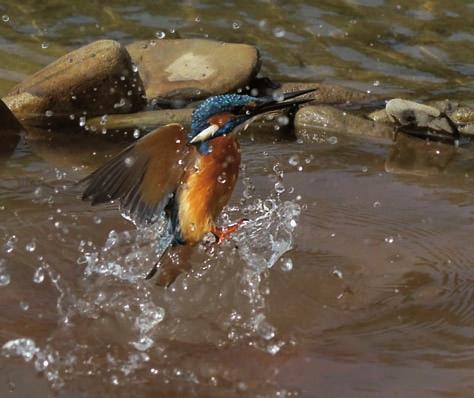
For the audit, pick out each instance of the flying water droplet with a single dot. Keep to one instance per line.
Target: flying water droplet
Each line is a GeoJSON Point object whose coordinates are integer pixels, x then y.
{"type": "Point", "coordinates": [129, 161]}
{"type": "Point", "coordinates": [279, 187]}
{"type": "Point", "coordinates": [235, 25]}
{"type": "Point", "coordinates": [136, 134]}
{"type": "Point", "coordinates": [294, 160]}
{"type": "Point", "coordinates": [31, 247]}
{"type": "Point", "coordinates": [22, 347]}
{"type": "Point", "coordinates": [160, 35]}
{"type": "Point", "coordinates": [44, 45]}
{"type": "Point", "coordinates": [4, 275]}
{"type": "Point", "coordinates": [49, 113]}
{"type": "Point", "coordinates": [11, 243]}
{"type": "Point", "coordinates": [279, 32]}
{"type": "Point", "coordinates": [5, 18]}
{"type": "Point", "coordinates": [287, 265]}
{"type": "Point", "coordinates": [38, 277]}
{"type": "Point", "coordinates": [332, 140]}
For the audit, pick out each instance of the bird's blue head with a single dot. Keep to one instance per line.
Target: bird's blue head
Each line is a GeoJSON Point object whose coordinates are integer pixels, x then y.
{"type": "Point", "coordinates": [221, 114]}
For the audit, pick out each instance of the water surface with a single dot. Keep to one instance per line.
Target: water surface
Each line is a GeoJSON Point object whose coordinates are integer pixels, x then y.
{"type": "Point", "coordinates": [348, 280]}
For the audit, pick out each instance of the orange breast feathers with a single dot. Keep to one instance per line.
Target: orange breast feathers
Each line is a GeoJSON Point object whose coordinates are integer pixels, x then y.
{"type": "Point", "coordinates": [207, 188]}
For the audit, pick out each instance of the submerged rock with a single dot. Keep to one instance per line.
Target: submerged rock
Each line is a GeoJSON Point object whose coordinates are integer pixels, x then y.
{"type": "Point", "coordinates": [315, 120]}
{"type": "Point", "coordinates": [191, 69]}
{"type": "Point", "coordinates": [93, 80]}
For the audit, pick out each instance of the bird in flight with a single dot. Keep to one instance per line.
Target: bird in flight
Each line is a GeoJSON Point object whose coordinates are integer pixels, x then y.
{"type": "Point", "coordinates": [188, 175]}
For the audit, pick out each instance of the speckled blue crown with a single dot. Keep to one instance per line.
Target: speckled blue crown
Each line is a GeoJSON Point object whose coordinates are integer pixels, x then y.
{"type": "Point", "coordinates": [213, 105]}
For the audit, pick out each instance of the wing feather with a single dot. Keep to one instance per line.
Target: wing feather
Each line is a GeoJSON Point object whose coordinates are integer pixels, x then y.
{"type": "Point", "coordinates": [144, 176]}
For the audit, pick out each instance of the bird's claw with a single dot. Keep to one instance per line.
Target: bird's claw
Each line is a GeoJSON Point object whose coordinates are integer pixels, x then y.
{"type": "Point", "coordinates": [222, 234]}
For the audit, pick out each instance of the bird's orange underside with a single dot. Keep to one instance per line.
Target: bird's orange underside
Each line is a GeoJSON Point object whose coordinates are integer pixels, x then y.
{"type": "Point", "coordinates": [208, 187]}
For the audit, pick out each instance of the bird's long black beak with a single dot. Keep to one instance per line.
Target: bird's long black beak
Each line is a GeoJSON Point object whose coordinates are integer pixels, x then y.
{"type": "Point", "coordinates": [280, 101]}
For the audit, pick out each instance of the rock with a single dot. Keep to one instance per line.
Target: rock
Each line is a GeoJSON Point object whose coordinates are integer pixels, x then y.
{"type": "Point", "coordinates": [193, 68]}
{"type": "Point", "coordinates": [10, 130]}
{"type": "Point", "coordinates": [462, 115]}
{"type": "Point", "coordinates": [330, 94]}
{"type": "Point", "coordinates": [418, 119]}
{"type": "Point", "coordinates": [313, 120]}
{"type": "Point", "coordinates": [96, 79]}
{"type": "Point", "coordinates": [409, 113]}
{"type": "Point", "coordinates": [380, 115]}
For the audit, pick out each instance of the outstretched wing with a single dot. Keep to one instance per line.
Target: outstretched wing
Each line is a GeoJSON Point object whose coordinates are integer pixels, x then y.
{"type": "Point", "coordinates": [144, 176]}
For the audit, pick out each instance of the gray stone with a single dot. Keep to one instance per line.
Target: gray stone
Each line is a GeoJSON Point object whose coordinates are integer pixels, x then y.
{"type": "Point", "coordinates": [193, 68]}
{"type": "Point", "coordinates": [313, 120]}
{"type": "Point", "coordinates": [95, 79]}
{"type": "Point", "coordinates": [409, 113]}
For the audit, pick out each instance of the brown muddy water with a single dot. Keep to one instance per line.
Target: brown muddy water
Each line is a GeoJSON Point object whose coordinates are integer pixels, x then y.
{"type": "Point", "coordinates": [348, 280]}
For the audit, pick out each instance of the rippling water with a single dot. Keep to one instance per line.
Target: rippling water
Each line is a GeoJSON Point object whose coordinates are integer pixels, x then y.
{"type": "Point", "coordinates": [348, 280]}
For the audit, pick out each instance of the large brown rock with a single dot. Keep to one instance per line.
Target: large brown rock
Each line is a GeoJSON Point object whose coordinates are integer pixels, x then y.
{"type": "Point", "coordinates": [96, 79]}
{"type": "Point", "coordinates": [193, 68]}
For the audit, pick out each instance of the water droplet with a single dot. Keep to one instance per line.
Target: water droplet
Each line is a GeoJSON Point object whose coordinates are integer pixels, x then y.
{"type": "Point", "coordinates": [5, 18]}
{"type": "Point", "coordinates": [103, 120]}
{"type": "Point", "coordinates": [134, 68]}
{"type": "Point", "coordinates": [332, 140]}
{"type": "Point", "coordinates": [4, 275]}
{"type": "Point", "coordinates": [22, 347]}
{"type": "Point", "coordinates": [235, 25]}
{"type": "Point", "coordinates": [287, 265]}
{"type": "Point", "coordinates": [97, 219]}
{"type": "Point", "coordinates": [279, 32]}
{"type": "Point", "coordinates": [129, 161]}
{"type": "Point", "coordinates": [376, 204]}
{"type": "Point", "coordinates": [49, 113]}
{"type": "Point", "coordinates": [273, 349]}
{"type": "Point", "coordinates": [337, 273]}
{"type": "Point", "coordinates": [376, 83]}
{"type": "Point", "coordinates": [136, 134]}
{"type": "Point", "coordinates": [11, 243]}
{"type": "Point", "coordinates": [365, 169]}
{"type": "Point", "coordinates": [389, 239]}
{"type": "Point", "coordinates": [160, 35]}
{"type": "Point", "coordinates": [82, 121]}
{"type": "Point", "coordinates": [24, 306]}
{"type": "Point", "coordinates": [294, 160]}
{"type": "Point", "coordinates": [44, 45]}
{"type": "Point", "coordinates": [31, 247]}
{"type": "Point", "coordinates": [38, 277]}
{"type": "Point", "coordinates": [221, 179]}
{"type": "Point", "coordinates": [279, 187]}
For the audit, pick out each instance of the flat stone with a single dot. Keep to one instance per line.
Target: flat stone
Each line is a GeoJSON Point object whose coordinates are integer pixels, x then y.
{"type": "Point", "coordinates": [96, 79]}
{"type": "Point", "coordinates": [314, 122]}
{"type": "Point", "coordinates": [193, 68]}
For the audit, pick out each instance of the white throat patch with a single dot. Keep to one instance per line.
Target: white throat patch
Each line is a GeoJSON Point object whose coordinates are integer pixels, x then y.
{"type": "Point", "coordinates": [205, 134]}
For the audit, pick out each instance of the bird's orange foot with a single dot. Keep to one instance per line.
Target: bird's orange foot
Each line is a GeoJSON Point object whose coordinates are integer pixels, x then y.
{"type": "Point", "coordinates": [222, 234]}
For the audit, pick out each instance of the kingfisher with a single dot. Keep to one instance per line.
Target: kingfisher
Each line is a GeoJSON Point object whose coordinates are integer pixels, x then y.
{"type": "Point", "coordinates": [188, 176]}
